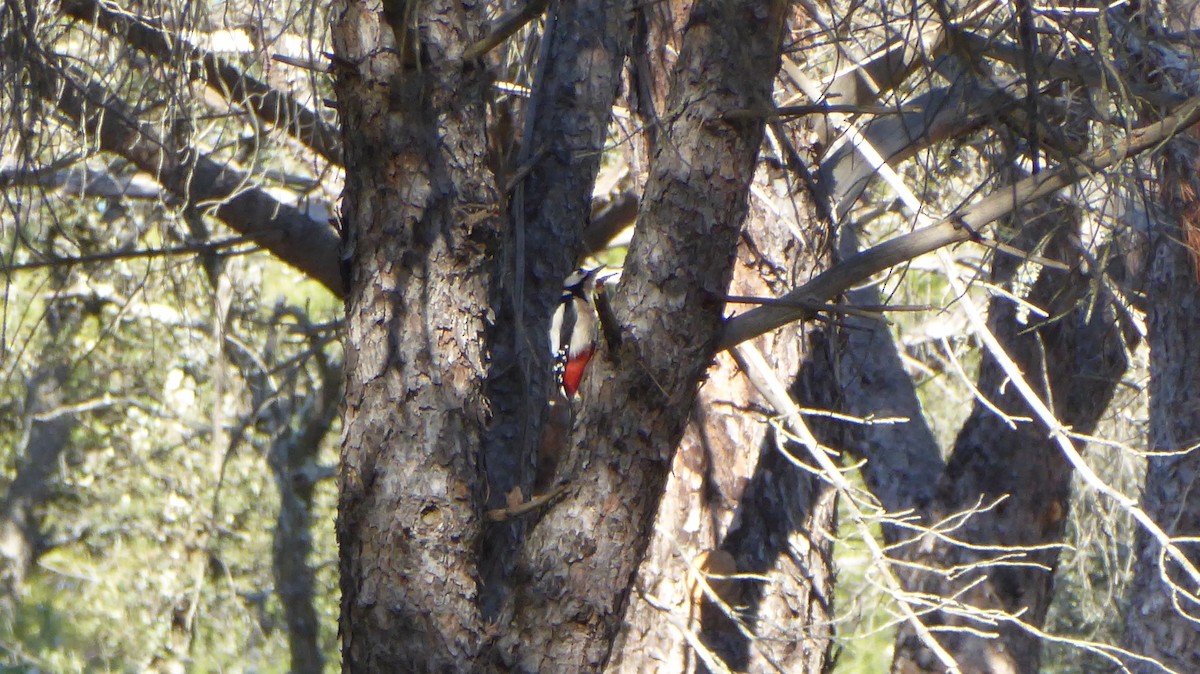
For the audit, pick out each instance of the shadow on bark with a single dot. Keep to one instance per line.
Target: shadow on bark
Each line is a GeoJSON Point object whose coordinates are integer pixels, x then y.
{"type": "Point", "coordinates": [781, 532]}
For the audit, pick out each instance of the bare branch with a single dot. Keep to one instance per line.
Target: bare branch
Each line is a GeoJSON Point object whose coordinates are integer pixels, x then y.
{"type": "Point", "coordinates": [773, 390]}
{"type": "Point", "coordinates": [188, 249]}
{"type": "Point", "coordinates": [954, 229]}
{"type": "Point", "coordinates": [278, 108]}
{"type": "Point", "coordinates": [308, 245]}
{"type": "Point", "coordinates": [82, 182]}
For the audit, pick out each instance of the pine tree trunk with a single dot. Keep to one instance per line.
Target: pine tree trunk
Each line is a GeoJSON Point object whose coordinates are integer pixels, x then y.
{"type": "Point", "coordinates": [420, 215]}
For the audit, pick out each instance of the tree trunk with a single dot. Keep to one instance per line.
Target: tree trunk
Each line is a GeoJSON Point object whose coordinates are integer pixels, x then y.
{"type": "Point", "coordinates": [47, 436]}
{"type": "Point", "coordinates": [1161, 619]}
{"type": "Point", "coordinates": [733, 504]}
{"type": "Point", "coordinates": [22, 503]}
{"type": "Point", "coordinates": [420, 211]}
{"type": "Point", "coordinates": [420, 220]}
{"type": "Point", "coordinates": [727, 454]}
{"type": "Point", "coordinates": [291, 457]}
{"type": "Point", "coordinates": [567, 124]}
{"type": "Point", "coordinates": [580, 559]}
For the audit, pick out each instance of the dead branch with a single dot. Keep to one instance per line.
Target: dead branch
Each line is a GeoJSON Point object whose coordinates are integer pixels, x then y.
{"type": "Point", "coordinates": [277, 108]}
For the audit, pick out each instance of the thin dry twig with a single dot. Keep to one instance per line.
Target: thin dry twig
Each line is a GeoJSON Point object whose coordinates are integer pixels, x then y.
{"type": "Point", "coordinates": [755, 366]}
{"type": "Point", "coordinates": [1061, 436]}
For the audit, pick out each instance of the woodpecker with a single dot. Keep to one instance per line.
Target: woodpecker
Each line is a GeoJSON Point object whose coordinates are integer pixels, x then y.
{"type": "Point", "coordinates": [573, 329]}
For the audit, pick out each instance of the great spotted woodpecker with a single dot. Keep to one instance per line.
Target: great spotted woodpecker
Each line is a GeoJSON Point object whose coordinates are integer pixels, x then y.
{"type": "Point", "coordinates": [573, 329]}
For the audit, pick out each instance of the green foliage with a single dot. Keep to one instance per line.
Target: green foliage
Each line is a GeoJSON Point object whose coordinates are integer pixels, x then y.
{"type": "Point", "coordinates": [163, 506]}
{"type": "Point", "coordinates": [865, 624]}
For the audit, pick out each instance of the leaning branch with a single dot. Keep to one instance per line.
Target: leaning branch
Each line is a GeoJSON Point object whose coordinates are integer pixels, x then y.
{"type": "Point", "coordinates": [505, 27]}
{"type": "Point", "coordinates": [954, 229]}
{"type": "Point", "coordinates": [286, 232]}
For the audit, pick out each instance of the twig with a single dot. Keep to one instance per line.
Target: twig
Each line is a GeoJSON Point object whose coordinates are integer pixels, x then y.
{"type": "Point", "coordinates": [278, 108]}
{"type": "Point", "coordinates": [816, 109]}
{"type": "Point", "coordinates": [508, 513]}
{"type": "Point", "coordinates": [109, 256]}
{"type": "Point", "coordinates": [760, 374]}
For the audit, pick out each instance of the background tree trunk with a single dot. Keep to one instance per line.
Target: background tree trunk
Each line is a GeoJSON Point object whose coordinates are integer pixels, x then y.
{"type": "Point", "coordinates": [21, 535]}
{"type": "Point", "coordinates": [1077, 357]}
{"type": "Point", "coordinates": [1163, 603]}
{"type": "Point", "coordinates": [47, 428]}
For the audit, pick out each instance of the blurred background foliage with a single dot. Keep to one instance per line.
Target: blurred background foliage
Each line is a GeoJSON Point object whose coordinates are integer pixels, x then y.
{"type": "Point", "coordinates": [163, 384]}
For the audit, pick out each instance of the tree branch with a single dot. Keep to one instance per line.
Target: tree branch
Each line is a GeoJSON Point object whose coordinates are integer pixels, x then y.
{"type": "Point", "coordinates": [308, 245]}
{"type": "Point", "coordinates": [109, 256]}
{"type": "Point", "coordinates": [277, 108]}
{"type": "Point", "coordinates": [505, 27]}
{"type": "Point", "coordinates": [954, 229]}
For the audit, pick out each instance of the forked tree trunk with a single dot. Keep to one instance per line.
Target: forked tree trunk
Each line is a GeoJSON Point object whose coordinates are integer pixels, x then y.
{"type": "Point", "coordinates": [421, 217]}
{"type": "Point", "coordinates": [580, 559]}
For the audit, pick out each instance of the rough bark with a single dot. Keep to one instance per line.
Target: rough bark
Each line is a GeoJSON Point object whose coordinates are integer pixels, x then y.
{"type": "Point", "coordinates": [657, 31]}
{"type": "Point", "coordinates": [421, 215]}
{"type": "Point", "coordinates": [783, 532]}
{"type": "Point", "coordinates": [1160, 621]}
{"type": "Point", "coordinates": [732, 503]}
{"type": "Point", "coordinates": [579, 560]}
